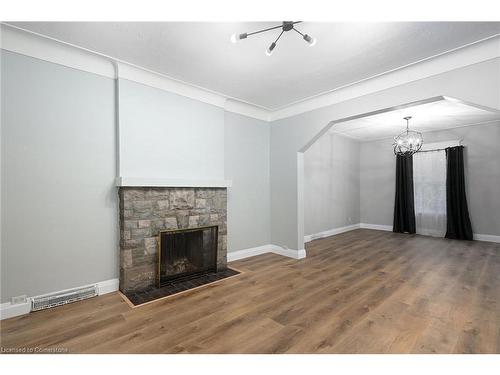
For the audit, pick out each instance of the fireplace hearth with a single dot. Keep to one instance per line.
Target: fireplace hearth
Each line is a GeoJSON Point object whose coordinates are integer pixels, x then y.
{"type": "Point", "coordinates": [177, 287]}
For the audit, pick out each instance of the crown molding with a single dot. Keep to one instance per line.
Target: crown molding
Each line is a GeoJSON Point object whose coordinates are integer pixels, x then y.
{"type": "Point", "coordinates": [159, 81]}
{"type": "Point", "coordinates": [31, 44]}
{"type": "Point", "coordinates": [45, 48]}
{"type": "Point", "coordinates": [473, 53]}
{"type": "Point", "coordinates": [246, 109]}
{"type": "Point", "coordinates": [39, 46]}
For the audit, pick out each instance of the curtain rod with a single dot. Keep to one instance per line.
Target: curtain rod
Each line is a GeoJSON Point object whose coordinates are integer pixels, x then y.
{"type": "Point", "coordinates": [439, 149]}
{"type": "Point", "coordinates": [443, 148]}
{"type": "Point", "coordinates": [433, 150]}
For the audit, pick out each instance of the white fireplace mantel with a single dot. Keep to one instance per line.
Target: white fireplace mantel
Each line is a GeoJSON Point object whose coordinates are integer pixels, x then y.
{"type": "Point", "coordinates": [169, 182]}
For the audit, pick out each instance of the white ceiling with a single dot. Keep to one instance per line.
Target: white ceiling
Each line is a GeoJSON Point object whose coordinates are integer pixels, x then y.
{"type": "Point", "coordinates": [201, 53]}
{"type": "Point", "coordinates": [436, 115]}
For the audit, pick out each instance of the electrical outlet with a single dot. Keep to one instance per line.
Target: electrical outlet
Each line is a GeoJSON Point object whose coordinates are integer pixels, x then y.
{"type": "Point", "coordinates": [350, 219]}
{"type": "Point", "coordinates": [18, 299]}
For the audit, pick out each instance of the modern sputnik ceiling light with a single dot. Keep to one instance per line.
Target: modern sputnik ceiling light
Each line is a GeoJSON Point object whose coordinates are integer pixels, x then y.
{"type": "Point", "coordinates": [285, 26]}
{"type": "Point", "coordinates": [408, 142]}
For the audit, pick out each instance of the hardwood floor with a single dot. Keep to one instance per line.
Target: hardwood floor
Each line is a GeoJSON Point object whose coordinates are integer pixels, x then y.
{"type": "Point", "coordinates": [363, 291]}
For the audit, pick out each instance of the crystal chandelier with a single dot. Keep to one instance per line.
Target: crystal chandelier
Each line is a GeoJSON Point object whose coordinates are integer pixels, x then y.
{"type": "Point", "coordinates": [408, 142]}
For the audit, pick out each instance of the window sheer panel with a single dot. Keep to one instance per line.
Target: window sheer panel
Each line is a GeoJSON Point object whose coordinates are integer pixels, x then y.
{"type": "Point", "coordinates": [429, 183]}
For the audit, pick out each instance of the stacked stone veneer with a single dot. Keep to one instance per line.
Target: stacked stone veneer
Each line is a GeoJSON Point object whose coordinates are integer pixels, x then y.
{"type": "Point", "coordinates": [146, 211]}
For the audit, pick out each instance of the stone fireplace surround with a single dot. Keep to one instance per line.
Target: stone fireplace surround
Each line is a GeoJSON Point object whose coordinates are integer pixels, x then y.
{"type": "Point", "coordinates": [144, 211]}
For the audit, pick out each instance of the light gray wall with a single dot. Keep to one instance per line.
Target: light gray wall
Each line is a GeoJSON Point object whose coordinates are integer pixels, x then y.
{"type": "Point", "coordinates": [378, 182]}
{"type": "Point", "coordinates": [476, 83]}
{"type": "Point", "coordinates": [482, 162]}
{"type": "Point", "coordinates": [247, 165]}
{"type": "Point", "coordinates": [59, 206]}
{"type": "Point", "coordinates": [59, 217]}
{"type": "Point", "coordinates": [167, 135]}
{"type": "Point", "coordinates": [331, 183]}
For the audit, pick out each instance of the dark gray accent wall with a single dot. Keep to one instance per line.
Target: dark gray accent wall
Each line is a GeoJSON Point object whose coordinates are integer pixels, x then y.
{"type": "Point", "coordinates": [59, 203]}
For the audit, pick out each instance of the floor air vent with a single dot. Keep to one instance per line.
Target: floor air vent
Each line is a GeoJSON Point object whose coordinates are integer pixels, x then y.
{"type": "Point", "coordinates": [62, 298]}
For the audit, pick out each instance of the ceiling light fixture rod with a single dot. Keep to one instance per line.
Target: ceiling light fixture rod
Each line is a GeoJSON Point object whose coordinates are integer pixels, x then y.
{"type": "Point", "coordinates": [270, 28]}
{"type": "Point", "coordinates": [408, 118]}
{"type": "Point", "coordinates": [279, 36]}
{"type": "Point", "coordinates": [297, 31]}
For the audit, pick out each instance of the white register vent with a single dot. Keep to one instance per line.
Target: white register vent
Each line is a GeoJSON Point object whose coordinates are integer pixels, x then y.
{"type": "Point", "coordinates": [62, 298]}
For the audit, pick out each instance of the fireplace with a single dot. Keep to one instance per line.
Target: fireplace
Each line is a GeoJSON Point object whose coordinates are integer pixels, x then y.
{"type": "Point", "coordinates": [186, 253]}
{"type": "Point", "coordinates": [149, 215]}
{"type": "Point", "coordinates": [172, 240]}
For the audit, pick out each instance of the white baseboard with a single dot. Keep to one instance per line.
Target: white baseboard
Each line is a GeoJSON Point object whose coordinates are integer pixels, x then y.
{"type": "Point", "coordinates": [330, 232]}
{"type": "Point", "coordinates": [291, 253]}
{"type": "Point", "coordinates": [253, 251]}
{"type": "Point", "coordinates": [9, 310]}
{"type": "Point", "coordinates": [477, 236]}
{"type": "Point", "coordinates": [486, 237]}
{"type": "Point", "coordinates": [108, 286]}
{"type": "Point", "coordinates": [387, 228]}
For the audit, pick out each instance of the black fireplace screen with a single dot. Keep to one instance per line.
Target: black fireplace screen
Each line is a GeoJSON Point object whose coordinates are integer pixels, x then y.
{"type": "Point", "coordinates": [186, 253]}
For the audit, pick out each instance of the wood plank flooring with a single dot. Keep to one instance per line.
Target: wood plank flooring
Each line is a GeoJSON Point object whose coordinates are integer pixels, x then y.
{"type": "Point", "coordinates": [363, 291]}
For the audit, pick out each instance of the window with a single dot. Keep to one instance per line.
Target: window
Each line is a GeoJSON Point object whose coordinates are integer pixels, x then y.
{"type": "Point", "coordinates": [429, 183]}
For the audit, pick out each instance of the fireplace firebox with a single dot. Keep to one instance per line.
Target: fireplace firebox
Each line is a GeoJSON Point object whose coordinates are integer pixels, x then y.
{"type": "Point", "coordinates": [186, 253]}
